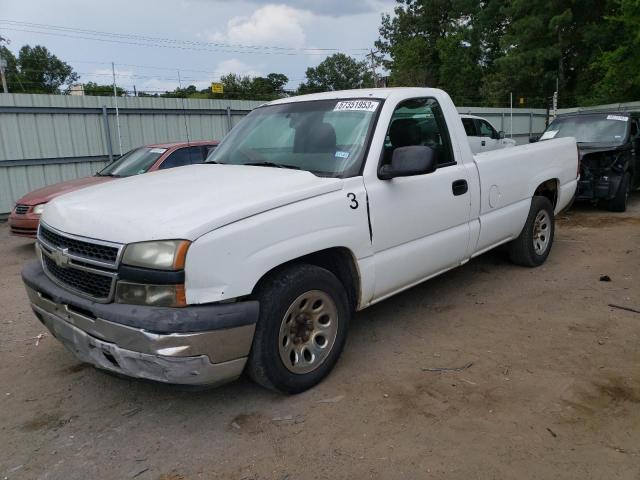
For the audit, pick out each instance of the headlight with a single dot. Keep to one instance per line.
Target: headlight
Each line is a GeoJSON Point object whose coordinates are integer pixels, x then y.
{"type": "Point", "coordinates": [153, 295]}
{"type": "Point", "coordinates": [160, 255]}
{"type": "Point", "coordinates": [38, 209]}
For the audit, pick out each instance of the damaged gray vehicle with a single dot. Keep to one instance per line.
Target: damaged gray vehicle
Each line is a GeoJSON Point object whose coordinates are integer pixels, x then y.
{"type": "Point", "coordinates": [608, 143]}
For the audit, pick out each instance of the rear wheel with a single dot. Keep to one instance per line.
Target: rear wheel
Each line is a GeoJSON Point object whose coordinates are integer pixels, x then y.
{"type": "Point", "coordinates": [533, 245]}
{"type": "Point", "coordinates": [619, 202]}
{"type": "Point", "coordinates": [304, 318]}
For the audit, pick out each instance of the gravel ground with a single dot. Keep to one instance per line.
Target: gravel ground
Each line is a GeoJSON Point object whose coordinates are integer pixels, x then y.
{"type": "Point", "coordinates": [553, 390]}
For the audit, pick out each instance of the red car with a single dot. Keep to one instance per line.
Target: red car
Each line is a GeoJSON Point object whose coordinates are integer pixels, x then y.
{"type": "Point", "coordinates": [24, 218]}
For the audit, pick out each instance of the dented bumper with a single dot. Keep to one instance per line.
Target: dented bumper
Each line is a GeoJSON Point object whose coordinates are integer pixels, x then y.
{"type": "Point", "coordinates": [209, 346]}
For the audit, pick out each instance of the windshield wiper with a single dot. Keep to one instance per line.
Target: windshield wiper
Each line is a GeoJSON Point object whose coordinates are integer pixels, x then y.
{"type": "Point", "coordinates": [108, 175]}
{"type": "Point", "coordinates": [271, 164]}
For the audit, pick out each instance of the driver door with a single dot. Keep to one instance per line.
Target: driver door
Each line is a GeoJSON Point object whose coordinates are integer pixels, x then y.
{"type": "Point", "coordinates": [419, 224]}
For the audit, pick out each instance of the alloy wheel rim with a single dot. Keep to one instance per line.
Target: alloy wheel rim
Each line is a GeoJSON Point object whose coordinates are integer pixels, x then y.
{"type": "Point", "coordinates": [541, 232]}
{"type": "Point", "coordinates": [308, 332]}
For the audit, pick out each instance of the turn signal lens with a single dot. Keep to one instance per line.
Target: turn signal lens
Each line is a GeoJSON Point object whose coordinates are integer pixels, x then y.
{"type": "Point", "coordinates": [152, 295]}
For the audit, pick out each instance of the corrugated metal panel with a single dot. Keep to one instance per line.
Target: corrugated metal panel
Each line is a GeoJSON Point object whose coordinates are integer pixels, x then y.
{"type": "Point", "coordinates": [19, 180]}
{"type": "Point", "coordinates": [58, 134]}
{"type": "Point", "coordinates": [35, 134]}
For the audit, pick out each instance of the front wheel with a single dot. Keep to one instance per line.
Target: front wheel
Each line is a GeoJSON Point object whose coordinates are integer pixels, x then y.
{"type": "Point", "coordinates": [533, 245]}
{"type": "Point", "coordinates": [304, 318]}
{"type": "Point", "coordinates": [619, 202]}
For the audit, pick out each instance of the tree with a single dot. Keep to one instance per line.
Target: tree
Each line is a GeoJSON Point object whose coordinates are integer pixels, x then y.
{"type": "Point", "coordinates": [617, 69]}
{"type": "Point", "coordinates": [337, 72]}
{"type": "Point", "coordinates": [39, 71]}
{"type": "Point", "coordinates": [92, 88]}
{"type": "Point", "coordinates": [440, 43]}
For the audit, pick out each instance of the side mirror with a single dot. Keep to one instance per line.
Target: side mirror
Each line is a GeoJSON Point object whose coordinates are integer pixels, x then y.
{"type": "Point", "coordinates": [409, 161]}
{"type": "Point", "coordinates": [500, 135]}
{"type": "Point", "coordinates": [534, 138]}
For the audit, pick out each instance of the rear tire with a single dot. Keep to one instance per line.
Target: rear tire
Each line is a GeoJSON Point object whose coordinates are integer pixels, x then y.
{"type": "Point", "coordinates": [619, 202]}
{"type": "Point", "coordinates": [302, 328]}
{"type": "Point", "coordinates": [533, 245]}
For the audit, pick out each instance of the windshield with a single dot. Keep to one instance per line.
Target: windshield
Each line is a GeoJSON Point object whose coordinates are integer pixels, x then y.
{"type": "Point", "coordinates": [600, 128]}
{"type": "Point", "coordinates": [134, 162]}
{"type": "Point", "coordinates": [325, 137]}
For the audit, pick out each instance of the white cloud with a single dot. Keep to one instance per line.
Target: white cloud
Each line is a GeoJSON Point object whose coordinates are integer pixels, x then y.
{"type": "Point", "coordinates": [279, 25]}
{"type": "Point", "coordinates": [233, 65]}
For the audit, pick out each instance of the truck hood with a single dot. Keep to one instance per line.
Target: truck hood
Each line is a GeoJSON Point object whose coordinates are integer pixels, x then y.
{"type": "Point", "coordinates": [45, 194]}
{"type": "Point", "coordinates": [180, 203]}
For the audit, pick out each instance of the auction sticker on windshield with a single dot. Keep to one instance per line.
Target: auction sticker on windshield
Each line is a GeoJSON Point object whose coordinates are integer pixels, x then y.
{"type": "Point", "coordinates": [618, 117]}
{"type": "Point", "coordinates": [356, 106]}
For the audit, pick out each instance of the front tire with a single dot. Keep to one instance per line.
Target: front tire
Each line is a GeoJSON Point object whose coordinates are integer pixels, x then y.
{"type": "Point", "coordinates": [533, 245]}
{"type": "Point", "coordinates": [619, 202]}
{"type": "Point", "coordinates": [302, 328]}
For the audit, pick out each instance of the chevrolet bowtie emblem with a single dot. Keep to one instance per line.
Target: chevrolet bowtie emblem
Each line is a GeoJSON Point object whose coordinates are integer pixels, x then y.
{"type": "Point", "coordinates": [60, 257]}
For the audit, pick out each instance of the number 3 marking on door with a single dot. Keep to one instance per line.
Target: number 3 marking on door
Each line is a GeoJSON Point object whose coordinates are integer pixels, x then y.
{"type": "Point", "coordinates": [354, 203]}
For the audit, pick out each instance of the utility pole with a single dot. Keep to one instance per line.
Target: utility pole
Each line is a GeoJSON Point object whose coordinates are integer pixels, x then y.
{"type": "Point", "coordinates": [371, 55]}
{"type": "Point", "coordinates": [115, 98]}
{"type": "Point", "coordinates": [3, 65]}
{"type": "Point", "coordinates": [184, 110]}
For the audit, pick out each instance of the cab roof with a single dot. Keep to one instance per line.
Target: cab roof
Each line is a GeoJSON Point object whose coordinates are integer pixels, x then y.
{"type": "Point", "coordinates": [379, 93]}
{"type": "Point", "coordinates": [182, 144]}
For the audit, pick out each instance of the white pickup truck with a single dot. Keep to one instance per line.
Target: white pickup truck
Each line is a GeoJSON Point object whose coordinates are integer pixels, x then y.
{"type": "Point", "coordinates": [312, 208]}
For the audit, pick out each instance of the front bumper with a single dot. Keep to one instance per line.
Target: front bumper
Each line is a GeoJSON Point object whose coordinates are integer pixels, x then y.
{"type": "Point", "coordinates": [603, 188]}
{"type": "Point", "coordinates": [197, 345]}
{"type": "Point", "coordinates": [25, 225]}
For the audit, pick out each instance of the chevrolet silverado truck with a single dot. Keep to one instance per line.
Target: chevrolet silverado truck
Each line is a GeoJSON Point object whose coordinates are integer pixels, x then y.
{"type": "Point", "coordinates": [609, 148]}
{"type": "Point", "coordinates": [312, 208]}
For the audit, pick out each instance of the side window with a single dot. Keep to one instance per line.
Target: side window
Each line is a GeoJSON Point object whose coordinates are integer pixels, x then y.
{"type": "Point", "coordinates": [486, 130]}
{"type": "Point", "coordinates": [419, 121]}
{"type": "Point", "coordinates": [182, 157]}
{"type": "Point", "coordinates": [469, 127]}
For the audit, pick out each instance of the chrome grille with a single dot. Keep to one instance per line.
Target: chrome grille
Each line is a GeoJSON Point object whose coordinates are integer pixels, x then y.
{"type": "Point", "coordinates": [94, 285]}
{"type": "Point", "coordinates": [21, 209]}
{"type": "Point", "coordinates": [85, 266]}
{"type": "Point", "coordinates": [85, 249]}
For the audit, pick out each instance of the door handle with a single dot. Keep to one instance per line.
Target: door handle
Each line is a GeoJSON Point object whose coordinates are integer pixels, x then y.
{"type": "Point", "coordinates": [459, 187]}
{"type": "Point", "coordinates": [483, 143]}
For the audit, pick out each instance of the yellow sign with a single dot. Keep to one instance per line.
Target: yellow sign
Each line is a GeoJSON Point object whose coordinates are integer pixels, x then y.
{"type": "Point", "coordinates": [521, 100]}
{"type": "Point", "coordinates": [217, 88]}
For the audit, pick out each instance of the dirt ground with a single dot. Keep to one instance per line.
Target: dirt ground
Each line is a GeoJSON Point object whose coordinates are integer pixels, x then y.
{"type": "Point", "coordinates": [553, 390]}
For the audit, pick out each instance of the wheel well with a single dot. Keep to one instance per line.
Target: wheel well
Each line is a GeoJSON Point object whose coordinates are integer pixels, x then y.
{"type": "Point", "coordinates": [548, 189]}
{"type": "Point", "coordinates": [339, 261]}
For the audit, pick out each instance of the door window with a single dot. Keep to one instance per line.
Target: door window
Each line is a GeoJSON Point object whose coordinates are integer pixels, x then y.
{"type": "Point", "coordinates": [469, 127]}
{"type": "Point", "coordinates": [486, 130]}
{"type": "Point", "coordinates": [419, 121]}
{"type": "Point", "coordinates": [182, 157]}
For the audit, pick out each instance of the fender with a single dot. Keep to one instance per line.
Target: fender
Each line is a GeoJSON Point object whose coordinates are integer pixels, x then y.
{"type": "Point", "coordinates": [227, 263]}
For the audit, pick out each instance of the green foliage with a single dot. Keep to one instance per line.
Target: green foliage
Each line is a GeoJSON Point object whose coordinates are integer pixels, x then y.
{"type": "Point", "coordinates": [36, 70]}
{"type": "Point", "coordinates": [481, 51]}
{"type": "Point", "coordinates": [337, 72]}
{"type": "Point", "coordinates": [618, 69]}
{"type": "Point", "coordinates": [92, 88]}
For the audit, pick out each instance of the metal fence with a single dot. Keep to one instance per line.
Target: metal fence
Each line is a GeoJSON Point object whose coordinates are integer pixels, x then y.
{"type": "Point", "coordinates": [45, 139]}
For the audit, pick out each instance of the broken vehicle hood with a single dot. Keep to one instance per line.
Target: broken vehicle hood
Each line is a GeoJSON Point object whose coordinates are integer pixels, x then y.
{"type": "Point", "coordinates": [180, 203]}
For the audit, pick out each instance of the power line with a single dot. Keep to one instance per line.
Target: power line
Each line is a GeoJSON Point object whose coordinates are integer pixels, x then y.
{"type": "Point", "coordinates": [140, 40]}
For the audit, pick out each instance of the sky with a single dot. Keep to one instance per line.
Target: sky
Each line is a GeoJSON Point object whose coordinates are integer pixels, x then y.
{"type": "Point", "coordinates": [149, 41]}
